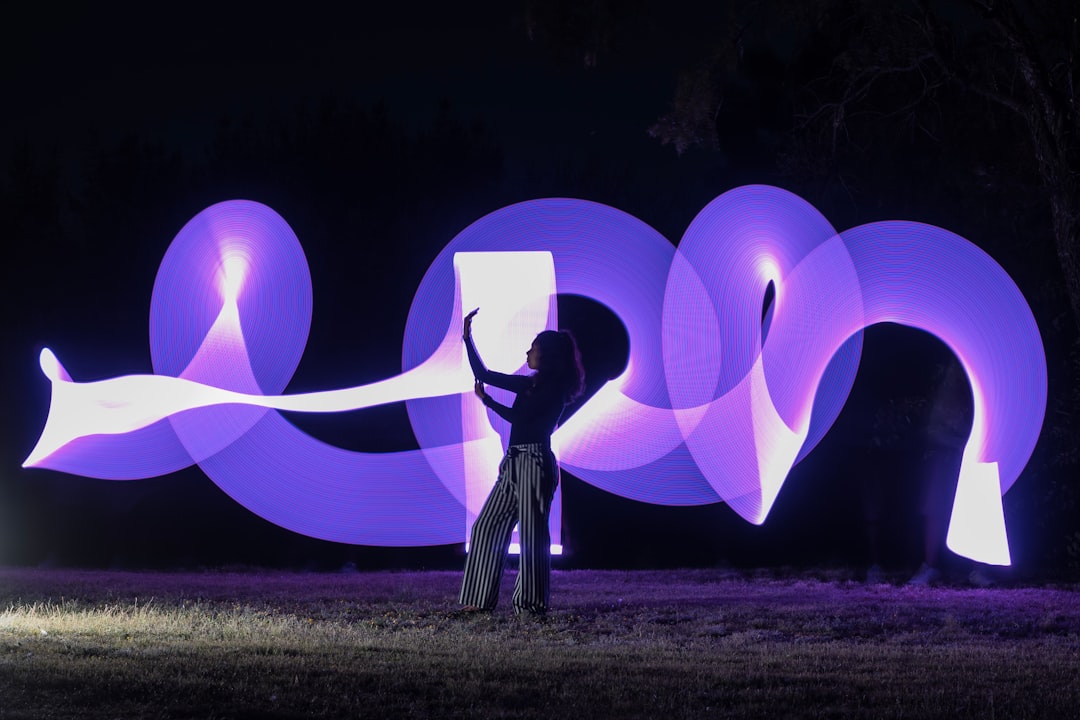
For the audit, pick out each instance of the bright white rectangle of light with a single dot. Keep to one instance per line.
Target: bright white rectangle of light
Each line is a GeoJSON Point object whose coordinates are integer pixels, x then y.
{"type": "Point", "coordinates": [515, 292]}
{"type": "Point", "coordinates": [516, 295]}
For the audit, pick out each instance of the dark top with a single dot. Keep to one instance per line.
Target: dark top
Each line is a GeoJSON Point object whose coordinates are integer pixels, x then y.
{"type": "Point", "coordinates": [536, 409]}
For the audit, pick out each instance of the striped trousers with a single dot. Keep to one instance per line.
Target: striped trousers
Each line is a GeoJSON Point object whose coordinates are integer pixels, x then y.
{"type": "Point", "coordinates": [528, 476]}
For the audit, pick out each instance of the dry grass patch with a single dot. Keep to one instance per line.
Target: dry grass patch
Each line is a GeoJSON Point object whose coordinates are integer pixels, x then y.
{"type": "Point", "coordinates": [672, 644]}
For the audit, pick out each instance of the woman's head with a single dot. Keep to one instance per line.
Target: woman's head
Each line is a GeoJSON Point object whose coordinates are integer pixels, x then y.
{"type": "Point", "coordinates": [555, 357]}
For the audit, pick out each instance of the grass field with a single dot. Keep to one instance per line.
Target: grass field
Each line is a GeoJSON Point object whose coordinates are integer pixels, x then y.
{"type": "Point", "coordinates": [641, 644]}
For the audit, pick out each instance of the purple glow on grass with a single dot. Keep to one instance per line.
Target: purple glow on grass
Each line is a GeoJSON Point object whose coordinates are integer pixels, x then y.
{"type": "Point", "coordinates": [706, 410]}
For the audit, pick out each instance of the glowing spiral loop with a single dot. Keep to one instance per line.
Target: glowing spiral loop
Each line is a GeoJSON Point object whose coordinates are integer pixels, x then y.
{"type": "Point", "coordinates": [710, 407]}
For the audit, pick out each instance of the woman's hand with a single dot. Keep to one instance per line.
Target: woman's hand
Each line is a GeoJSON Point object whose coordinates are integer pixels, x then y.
{"type": "Point", "coordinates": [466, 330]}
{"type": "Point", "coordinates": [478, 388]}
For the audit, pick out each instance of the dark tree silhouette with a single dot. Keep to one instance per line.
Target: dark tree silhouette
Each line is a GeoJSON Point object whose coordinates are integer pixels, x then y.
{"type": "Point", "coordinates": [991, 83]}
{"type": "Point", "coordinates": [581, 30]}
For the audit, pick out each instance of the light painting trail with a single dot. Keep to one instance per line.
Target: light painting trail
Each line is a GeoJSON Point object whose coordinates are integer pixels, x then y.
{"type": "Point", "coordinates": [708, 409]}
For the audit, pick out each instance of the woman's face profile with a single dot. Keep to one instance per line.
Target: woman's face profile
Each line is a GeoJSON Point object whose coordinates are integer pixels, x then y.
{"type": "Point", "coordinates": [532, 357]}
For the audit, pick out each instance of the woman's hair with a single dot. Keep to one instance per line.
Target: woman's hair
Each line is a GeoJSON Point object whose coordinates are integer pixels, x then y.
{"type": "Point", "coordinates": [560, 362]}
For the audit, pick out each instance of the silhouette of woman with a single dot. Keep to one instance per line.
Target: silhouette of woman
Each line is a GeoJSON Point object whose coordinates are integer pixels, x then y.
{"type": "Point", "coordinates": [528, 473]}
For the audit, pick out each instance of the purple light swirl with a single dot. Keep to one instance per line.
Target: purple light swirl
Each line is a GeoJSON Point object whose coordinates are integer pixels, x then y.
{"type": "Point", "coordinates": [708, 409]}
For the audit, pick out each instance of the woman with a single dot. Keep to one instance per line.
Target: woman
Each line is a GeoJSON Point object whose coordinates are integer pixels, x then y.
{"type": "Point", "coordinates": [528, 474]}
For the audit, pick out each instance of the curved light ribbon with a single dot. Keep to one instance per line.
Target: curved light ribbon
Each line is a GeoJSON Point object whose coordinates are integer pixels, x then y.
{"type": "Point", "coordinates": [710, 407]}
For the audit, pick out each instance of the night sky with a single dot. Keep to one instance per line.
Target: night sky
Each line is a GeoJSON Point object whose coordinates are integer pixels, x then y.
{"type": "Point", "coordinates": [139, 117]}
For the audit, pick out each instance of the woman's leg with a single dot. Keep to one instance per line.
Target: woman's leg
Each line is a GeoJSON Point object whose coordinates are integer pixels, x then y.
{"type": "Point", "coordinates": [490, 538]}
{"type": "Point", "coordinates": [537, 477]}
